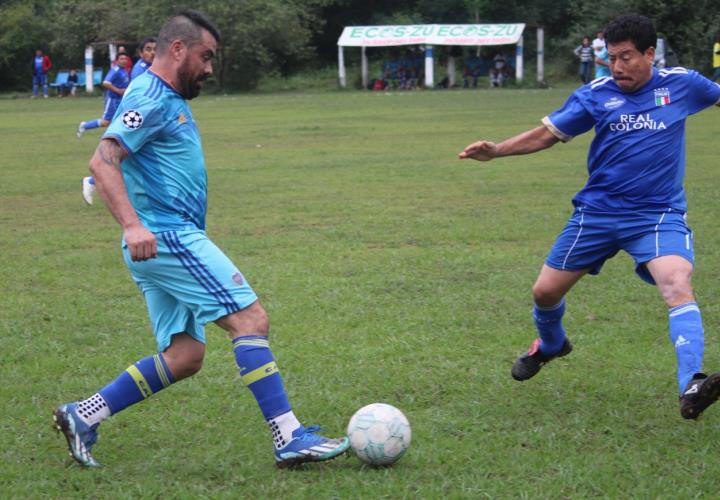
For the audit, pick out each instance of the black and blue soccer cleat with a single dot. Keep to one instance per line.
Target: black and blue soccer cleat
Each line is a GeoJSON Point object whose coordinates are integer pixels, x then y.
{"type": "Point", "coordinates": [308, 446]}
{"type": "Point", "coordinates": [702, 391]}
{"type": "Point", "coordinates": [530, 363]}
{"type": "Point", "coordinates": [80, 436]}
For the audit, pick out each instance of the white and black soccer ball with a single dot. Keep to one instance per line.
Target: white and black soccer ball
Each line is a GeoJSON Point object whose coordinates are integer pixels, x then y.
{"type": "Point", "coordinates": [379, 434]}
{"type": "Point", "coordinates": [132, 119]}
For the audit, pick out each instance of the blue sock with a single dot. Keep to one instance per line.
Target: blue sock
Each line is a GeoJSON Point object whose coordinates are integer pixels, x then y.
{"type": "Point", "coordinates": [91, 181]}
{"type": "Point", "coordinates": [259, 372]}
{"type": "Point", "coordinates": [548, 321]}
{"type": "Point", "coordinates": [92, 124]}
{"type": "Point", "coordinates": [138, 382]}
{"type": "Point", "coordinates": [686, 334]}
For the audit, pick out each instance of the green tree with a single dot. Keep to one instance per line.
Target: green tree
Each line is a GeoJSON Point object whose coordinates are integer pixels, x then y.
{"type": "Point", "coordinates": [23, 30]}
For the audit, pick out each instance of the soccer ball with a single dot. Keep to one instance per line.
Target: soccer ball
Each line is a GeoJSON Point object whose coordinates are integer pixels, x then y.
{"type": "Point", "coordinates": [379, 434]}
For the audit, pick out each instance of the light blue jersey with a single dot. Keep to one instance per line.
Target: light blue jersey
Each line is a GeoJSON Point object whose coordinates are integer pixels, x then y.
{"type": "Point", "coordinates": [600, 70]}
{"type": "Point", "coordinates": [637, 158]}
{"type": "Point", "coordinates": [165, 169]}
{"type": "Point", "coordinates": [190, 282]}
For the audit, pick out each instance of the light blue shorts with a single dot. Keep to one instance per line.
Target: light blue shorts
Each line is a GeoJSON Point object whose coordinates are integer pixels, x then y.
{"type": "Point", "coordinates": [190, 283]}
{"type": "Point", "coordinates": [591, 238]}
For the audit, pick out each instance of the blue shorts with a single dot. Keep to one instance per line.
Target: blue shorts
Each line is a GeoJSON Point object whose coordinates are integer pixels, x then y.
{"type": "Point", "coordinates": [591, 238]}
{"type": "Point", "coordinates": [111, 105]}
{"type": "Point", "coordinates": [190, 283]}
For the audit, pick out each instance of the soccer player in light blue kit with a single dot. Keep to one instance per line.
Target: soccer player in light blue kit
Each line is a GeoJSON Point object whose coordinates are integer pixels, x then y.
{"type": "Point", "coordinates": [114, 83]}
{"type": "Point", "coordinates": [633, 200]}
{"type": "Point", "coordinates": [150, 171]}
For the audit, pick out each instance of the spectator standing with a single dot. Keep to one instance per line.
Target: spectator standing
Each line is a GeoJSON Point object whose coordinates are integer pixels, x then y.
{"type": "Point", "coordinates": [716, 58]}
{"type": "Point", "coordinates": [587, 57]}
{"type": "Point", "coordinates": [602, 64]}
{"type": "Point", "coordinates": [598, 44]}
{"type": "Point", "coordinates": [147, 54]}
{"type": "Point", "coordinates": [41, 66]}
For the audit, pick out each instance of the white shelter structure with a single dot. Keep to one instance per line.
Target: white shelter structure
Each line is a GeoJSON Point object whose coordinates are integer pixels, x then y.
{"type": "Point", "coordinates": [429, 35]}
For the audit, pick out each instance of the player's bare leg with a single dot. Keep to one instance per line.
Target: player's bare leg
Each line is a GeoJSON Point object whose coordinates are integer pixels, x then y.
{"type": "Point", "coordinates": [549, 293]}
{"type": "Point", "coordinates": [673, 276]}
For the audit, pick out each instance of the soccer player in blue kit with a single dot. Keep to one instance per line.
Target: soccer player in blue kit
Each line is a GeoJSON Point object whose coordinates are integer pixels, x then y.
{"type": "Point", "coordinates": [150, 171]}
{"type": "Point", "coordinates": [114, 83]}
{"type": "Point", "coordinates": [633, 200]}
{"type": "Point", "coordinates": [147, 54]}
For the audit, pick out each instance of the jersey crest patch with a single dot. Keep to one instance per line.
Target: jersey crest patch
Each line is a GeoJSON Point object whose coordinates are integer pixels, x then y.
{"type": "Point", "coordinates": [132, 119]}
{"type": "Point", "coordinates": [662, 96]}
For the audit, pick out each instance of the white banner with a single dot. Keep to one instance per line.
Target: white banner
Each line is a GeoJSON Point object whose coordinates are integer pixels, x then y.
{"type": "Point", "coordinates": [431, 34]}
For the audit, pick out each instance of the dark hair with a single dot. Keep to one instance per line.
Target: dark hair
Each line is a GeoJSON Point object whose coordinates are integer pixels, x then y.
{"type": "Point", "coordinates": [634, 28]}
{"type": "Point", "coordinates": [149, 39]}
{"type": "Point", "coordinates": [186, 26]}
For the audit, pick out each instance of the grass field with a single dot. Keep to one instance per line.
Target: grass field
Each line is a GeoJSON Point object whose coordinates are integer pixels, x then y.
{"type": "Point", "coordinates": [391, 272]}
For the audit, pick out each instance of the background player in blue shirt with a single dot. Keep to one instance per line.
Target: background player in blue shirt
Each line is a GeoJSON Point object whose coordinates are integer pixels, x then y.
{"type": "Point", "coordinates": [150, 171]}
{"type": "Point", "coordinates": [147, 54]}
{"type": "Point", "coordinates": [115, 83]}
{"type": "Point", "coordinates": [633, 200]}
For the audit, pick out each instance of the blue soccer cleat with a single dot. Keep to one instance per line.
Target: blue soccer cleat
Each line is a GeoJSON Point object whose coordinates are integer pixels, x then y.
{"type": "Point", "coordinates": [80, 436]}
{"type": "Point", "coordinates": [307, 446]}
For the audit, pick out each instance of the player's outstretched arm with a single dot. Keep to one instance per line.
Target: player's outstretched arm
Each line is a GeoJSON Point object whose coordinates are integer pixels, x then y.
{"type": "Point", "coordinates": [528, 142]}
{"type": "Point", "coordinates": [105, 168]}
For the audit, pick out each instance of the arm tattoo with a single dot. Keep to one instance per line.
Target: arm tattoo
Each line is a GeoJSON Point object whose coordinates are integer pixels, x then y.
{"type": "Point", "coordinates": [111, 152]}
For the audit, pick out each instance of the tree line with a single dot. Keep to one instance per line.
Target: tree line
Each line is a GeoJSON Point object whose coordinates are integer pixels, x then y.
{"type": "Point", "coordinates": [282, 37]}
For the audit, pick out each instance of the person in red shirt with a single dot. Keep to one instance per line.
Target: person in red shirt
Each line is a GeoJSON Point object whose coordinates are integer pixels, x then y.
{"type": "Point", "coordinates": [41, 65]}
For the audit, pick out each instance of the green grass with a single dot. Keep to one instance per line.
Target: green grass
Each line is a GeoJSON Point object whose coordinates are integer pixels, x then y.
{"type": "Point", "coordinates": [391, 272]}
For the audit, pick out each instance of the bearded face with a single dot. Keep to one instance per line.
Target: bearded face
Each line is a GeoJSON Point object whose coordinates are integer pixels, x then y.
{"type": "Point", "coordinates": [191, 80]}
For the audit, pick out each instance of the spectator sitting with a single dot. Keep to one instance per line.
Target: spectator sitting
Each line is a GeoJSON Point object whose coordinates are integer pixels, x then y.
{"type": "Point", "coordinates": [499, 70]}
{"type": "Point", "coordinates": [68, 88]}
{"type": "Point", "coordinates": [378, 84]}
{"type": "Point", "coordinates": [472, 69]}
{"type": "Point", "coordinates": [391, 73]}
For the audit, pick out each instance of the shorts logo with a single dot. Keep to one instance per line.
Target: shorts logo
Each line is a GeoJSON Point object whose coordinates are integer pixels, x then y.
{"type": "Point", "coordinates": [132, 119]}
{"type": "Point", "coordinates": [614, 103]}
{"type": "Point", "coordinates": [238, 278]}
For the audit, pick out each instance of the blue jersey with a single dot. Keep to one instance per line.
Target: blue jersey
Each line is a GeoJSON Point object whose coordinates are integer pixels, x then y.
{"type": "Point", "coordinates": [637, 159]}
{"type": "Point", "coordinates": [38, 65]}
{"type": "Point", "coordinates": [118, 77]}
{"type": "Point", "coordinates": [164, 171]}
{"type": "Point", "coordinates": [139, 68]}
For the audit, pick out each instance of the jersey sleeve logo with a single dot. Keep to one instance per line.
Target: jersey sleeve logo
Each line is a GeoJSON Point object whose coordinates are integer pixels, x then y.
{"type": "Point", "coordinates": [132, 119]}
